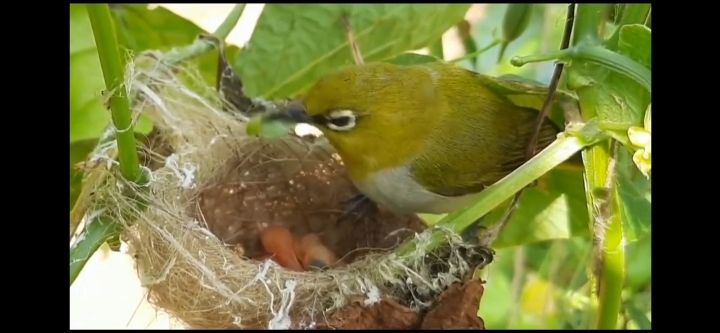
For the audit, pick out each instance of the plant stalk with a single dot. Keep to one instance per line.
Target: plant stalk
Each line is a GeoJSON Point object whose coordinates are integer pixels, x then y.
{"type": "Point", "coordinates": [612, 262]}
{"type": "Point", "coordinates": [102, 228]}
{"type": "Point", "coordinates": [555, 154]}
{"type": "Point", "coordinates": [202, 45]}
{"type": "Point", "coordinates": [113, 68]}
{"type": "Point", "coordinates": [598, 54]}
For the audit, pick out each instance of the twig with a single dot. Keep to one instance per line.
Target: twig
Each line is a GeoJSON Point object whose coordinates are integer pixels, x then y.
{"type": "Point", "coordinates": [202, 45]}
{"type": "Point", "coordinates": [357, 55]}
{"type": "Point", "coordinates": [532, 145]}
{"type": "Point", "coordinates": [477, 52]}
{"type": "Point", "coordinates": [494, 232]}
{"type": "Point", "coordinates": [567, 145]}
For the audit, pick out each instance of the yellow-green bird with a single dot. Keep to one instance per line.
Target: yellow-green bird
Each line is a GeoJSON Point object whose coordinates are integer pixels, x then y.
{"type": "Point", "coordinates": [421, 138]}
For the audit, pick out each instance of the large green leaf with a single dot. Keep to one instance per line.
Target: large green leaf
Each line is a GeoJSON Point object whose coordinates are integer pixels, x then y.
{"type": "Point", "coordinates": [613, 97]}
{"type": "Point", "coordinates": [88, 117]}
{"type": "Point", "coordinates": [294, 45]}
{"type": "Point", "coordinates": [635, 197]}
{"type": "Point", "coordinates": [639, 258]}
{"type": "Point", "coordinates": [543, 34]}
{"type": "Point", "coordinates": [79, 151]}
{"type": "Point", "coordinates": [616, 99]}
{"type": "Point", "coordinates": [635, 43]}
{"type": "Point", "coordinates": [138, 29]}
{"type": "Point", "coordinates": [554, 209]}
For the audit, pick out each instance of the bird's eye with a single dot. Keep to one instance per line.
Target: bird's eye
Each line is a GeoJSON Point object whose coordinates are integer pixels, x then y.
{"type": "Point", "coordinates": [341, 120]}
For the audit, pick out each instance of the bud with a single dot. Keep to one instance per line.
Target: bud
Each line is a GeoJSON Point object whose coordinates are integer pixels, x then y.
{"type": "Point", "coordinates": [517, 18]}
{"type": "Point", "coordinates": [640, 137]}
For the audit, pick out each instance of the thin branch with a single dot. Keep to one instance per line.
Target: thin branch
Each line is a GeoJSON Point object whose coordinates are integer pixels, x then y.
{"type": "Point", "coordinates": [202, 45]}
{"type": "Point", "coordinates": [532, 145]}
{"type": "Point", "coordinates": [492, 234]}
{"type": "Point", "coordinates": [612, 260]}
{"type": "Point", "coordinates": [352, 40]}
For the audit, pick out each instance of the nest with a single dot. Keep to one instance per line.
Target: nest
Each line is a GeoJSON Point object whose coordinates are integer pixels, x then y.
{"type": "Point", "coordinates": [193, 229]}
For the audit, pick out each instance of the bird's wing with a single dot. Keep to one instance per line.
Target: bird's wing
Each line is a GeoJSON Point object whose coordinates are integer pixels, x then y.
{"type": "Point", "coordinates": [473, 149]}
{"type": "Point", "coordinates": [529, 93]}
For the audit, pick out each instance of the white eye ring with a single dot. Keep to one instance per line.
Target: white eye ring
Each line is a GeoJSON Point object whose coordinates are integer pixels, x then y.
{"type": "Point", "coordinates": [341, 120]}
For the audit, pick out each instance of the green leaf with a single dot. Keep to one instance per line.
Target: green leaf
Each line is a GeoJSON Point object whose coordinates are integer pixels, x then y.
{"type": "Point", "coordinates": [639, 264]}
{"type": "Point", "coordinates": [412, 59]}
{"type": "Point", "coordinates": [554, 209]}
{"type": "Point", "coordinates": [626, 14]}
{"type": "Point", "coordinates": [615, 98]}
{"type": "Point", "coordinates": [79, 151]}
{"type": "Point", "coordinates": [88, 117]}
{"type": "Point", "coordinates": [295, 45]}
{"type": "Point", "coordinates": [635, 197]}
{"type": "Point", "coordinates": [635, 13]}
{"type": "Point", "coordinates": [635, 43]}
{"type": "Point", "coordinates": [93, 236]}
{"type": "Point", "coordinates": [138, 29]}
{"type": "Point", "coordinates": [497, 300]}
{"type": "Point", "coordinates": [639, 317]}
{"type": "Point", "coordinates": [516, 20]}
{"type": "Point", "coordinates": [257, 126]}
{"type": "Point", "coordinates": [538, 37]}
{"type": "Point", "coordinates": [621, 102]}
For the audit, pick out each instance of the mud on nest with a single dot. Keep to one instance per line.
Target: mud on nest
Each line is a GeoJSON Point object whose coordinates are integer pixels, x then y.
{"type": "Point", "coordinates": [212, 189]}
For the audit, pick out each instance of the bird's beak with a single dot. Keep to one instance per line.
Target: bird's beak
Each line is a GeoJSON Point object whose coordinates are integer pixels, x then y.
{"type": "Point", "coordinates": [293, 113]}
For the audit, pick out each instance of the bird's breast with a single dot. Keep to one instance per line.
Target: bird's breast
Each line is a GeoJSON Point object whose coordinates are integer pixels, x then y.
{"type": "Point", "coordinates": [397, 190]}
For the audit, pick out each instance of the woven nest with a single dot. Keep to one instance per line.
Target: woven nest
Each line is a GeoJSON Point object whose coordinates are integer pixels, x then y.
{"type": "Point", "coordinates": [193, 230]}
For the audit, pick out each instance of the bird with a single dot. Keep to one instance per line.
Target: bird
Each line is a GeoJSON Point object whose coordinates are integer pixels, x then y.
{"type": "Point", "coordinates": [420, 138]}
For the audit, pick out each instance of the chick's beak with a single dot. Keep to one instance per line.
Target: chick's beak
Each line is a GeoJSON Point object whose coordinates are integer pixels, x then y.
{"type": "Point", "coordinates": [294, 112]}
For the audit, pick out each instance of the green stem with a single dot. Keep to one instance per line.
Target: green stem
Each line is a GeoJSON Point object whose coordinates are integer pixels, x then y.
{"type": "Point", "coordinates": [598, 54]}
{"type": "Point", "coordinates": [612, 264]}
{"type": "Point", "coordinates": [595, 163]}
{"type": "Point", "coordinates": [633, 13]}
{"type": "Point", "coordinates": [555, 154]}
{"type": "Point", "coordinates": [202, 45]}
{"type": "Point", "coordinates": [436, 49]}
{"type": "Point", "coordinates": [113, 67]}
{"type": "Point", "coordinates": [589, 18]}
{"type": "Point", "coordinates": [97, 231]}
{"type": "Point", "coordinates": [468, 42]}
{"type": "Point", "coordinates": [230, 22]}
{"type": "Point", "coordinates": [102, 228]}
{"type": "Point", "coordinates": [478, 52]}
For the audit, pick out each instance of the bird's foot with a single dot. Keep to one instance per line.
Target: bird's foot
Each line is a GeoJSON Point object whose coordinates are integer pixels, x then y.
{"type": "Point", "coordinates": [357, 208]}
{"type": "Point", "coordinates": [481, 237]}
{"type": "Point", "coordinates": [481, 256]}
